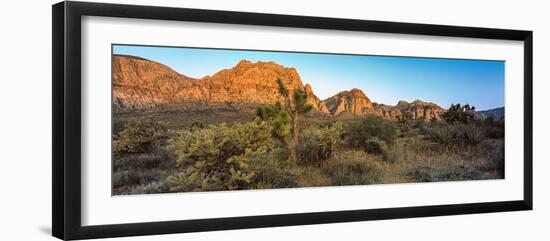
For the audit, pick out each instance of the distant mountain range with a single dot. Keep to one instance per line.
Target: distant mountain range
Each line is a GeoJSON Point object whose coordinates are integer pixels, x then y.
{"type": "Point", "coordinates": [144, 85]}
{"type": "Point", "coordinates": [497, 113]}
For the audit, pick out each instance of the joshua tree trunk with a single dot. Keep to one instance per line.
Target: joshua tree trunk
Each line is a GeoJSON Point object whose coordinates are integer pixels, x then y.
{"type": "Point", "coordinates": [295, 106]}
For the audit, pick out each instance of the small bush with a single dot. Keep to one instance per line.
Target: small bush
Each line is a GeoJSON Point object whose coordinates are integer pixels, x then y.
{"type": "Point", "coordinates": [318, 145]}
{"type": "Point", "coordinates": [271, 172]}
{"type": "Point", "coordinates": [280, 154]}
{"type": "Point", "coordinates": [370, 127]}
{"type": "Point", "coordinates": [139, 135]}
{"type": "Point", "coordinates": [471, 134]}
{"type": "Point", "coordinates": [353, 168]}
{"type": "Point", "coordinates": [375, 146]}
{"type": "Point", "coordinates": [456, 134]}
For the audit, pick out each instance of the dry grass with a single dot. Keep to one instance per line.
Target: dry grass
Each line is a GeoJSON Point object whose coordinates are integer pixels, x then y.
{"type": "Point", "coordinates": [354, 167]}
{"type": "Point", "coordinates": [414, 155]}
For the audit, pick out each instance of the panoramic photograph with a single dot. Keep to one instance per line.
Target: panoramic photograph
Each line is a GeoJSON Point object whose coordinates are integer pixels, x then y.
{"type": "Point", "coordinates": [202, 119]}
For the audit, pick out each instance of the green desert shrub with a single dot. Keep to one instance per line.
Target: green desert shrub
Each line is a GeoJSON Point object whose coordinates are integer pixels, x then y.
{"type": "Point", "coordinates": [273, 172]}
{"type": "Point", "coordinates": [353, 168]}
{"type": "Point", "coordinates": [139, 135]}
{"type": "Point", "coordinates": [471, 134]}
{"type": "Point", "coordinates": [375, 146]}
{"type": "Point", "coordinates": [218, 157]}
{"type": "Point", "coordinates": [279, 154]}
{"type": "Point", "coordinates": [456, 134]}
{"type": "Point", "coordinates": [443, 134]}
{"type": "Point", "coordinates": [266, 112]}
{"type": "Point", "coordinates": [278, 118]}
{"type": "Point", "coordinates": [319, 144]}
{"type": "Point", "coordinates": [446, 173]}
{"type": "Point", "coordinates": [370, 127]}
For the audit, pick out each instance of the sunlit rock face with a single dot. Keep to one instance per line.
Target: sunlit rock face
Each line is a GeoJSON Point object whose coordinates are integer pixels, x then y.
{"type": "Point", "coordinates": [140, 84]}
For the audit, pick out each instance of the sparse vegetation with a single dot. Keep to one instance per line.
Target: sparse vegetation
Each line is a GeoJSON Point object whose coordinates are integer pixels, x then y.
{"type": "Point", "coordinates": [354, 168]}
{"type": "Point", "coordinates": [456, 134]}
{"type": "Point", "coordinates": [320, 144]}
{"type": "Point", "coordinates": [257, 126]}
{"type": "Point", "coordinates": [369, 127]}
{"type": "Point", "coordinates": [169, 152]}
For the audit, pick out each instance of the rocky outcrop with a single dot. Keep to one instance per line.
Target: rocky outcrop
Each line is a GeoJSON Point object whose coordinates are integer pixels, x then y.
{"type": "Point", "coordinates": [245, 83]}
{"type": "Point", "coordinates": [387, 111]}
{"type": "Point", "coordinates": [353, 101]}
{"type": "Point", "coordinates": [418, 109]}
{"type": "Point", "coordinates": [356, 102]}
{"type": "Point", "coordinates": [139, 83]}
{"type": "Point", "coordinates": [248, 82]}
{"type": "Point", "coordinates": [313, 100]}
{"type": "Point", "coordinates": [421, 110]}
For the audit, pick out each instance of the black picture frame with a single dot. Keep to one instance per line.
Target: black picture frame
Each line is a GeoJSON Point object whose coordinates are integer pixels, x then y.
{"type": "Point", "coordinates": [66, 128]}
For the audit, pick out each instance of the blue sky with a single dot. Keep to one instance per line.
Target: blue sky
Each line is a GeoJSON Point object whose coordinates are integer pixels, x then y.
{"type": "Point", "coordinates": [384, 79]}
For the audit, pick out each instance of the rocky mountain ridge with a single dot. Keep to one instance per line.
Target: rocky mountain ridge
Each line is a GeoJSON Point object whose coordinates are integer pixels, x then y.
{"type": "Point", "coordinates": [496, 113]}
{"type": "Point", "coordinates": [144, 85]}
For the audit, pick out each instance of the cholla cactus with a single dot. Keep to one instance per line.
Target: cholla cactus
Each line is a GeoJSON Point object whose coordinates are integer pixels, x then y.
{"type": "Point", "coordinates": [218, 157]}
{"type": "Point", "coordinates": [139, 135]}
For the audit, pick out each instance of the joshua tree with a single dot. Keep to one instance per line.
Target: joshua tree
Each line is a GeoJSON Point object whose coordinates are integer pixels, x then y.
{"type": "Point", "coordinates": [294, 104]}
{"type": "Point", "coordinates": [405, 118]}
{"type": "Point", "coordinates": [459, 113]}
{"type": "Point", "coordinates": [279, 120]}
